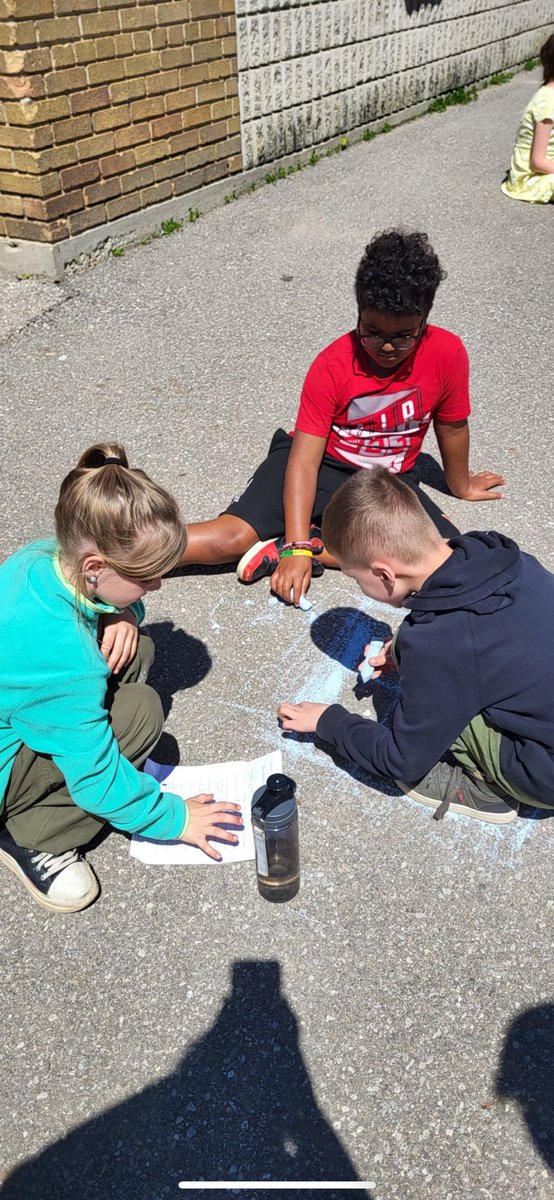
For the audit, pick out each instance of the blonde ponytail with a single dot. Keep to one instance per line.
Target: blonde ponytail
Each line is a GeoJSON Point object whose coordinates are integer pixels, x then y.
{"type": "Point", "coordinates": [133, 522]}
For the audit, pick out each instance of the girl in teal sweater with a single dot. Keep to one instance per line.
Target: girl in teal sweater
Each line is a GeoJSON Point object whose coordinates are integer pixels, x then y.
{"type": "Point", "coordinates": [76, 718]}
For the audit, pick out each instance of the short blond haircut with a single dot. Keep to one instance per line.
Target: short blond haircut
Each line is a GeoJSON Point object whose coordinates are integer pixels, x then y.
{"type": "Point", "coordinates": [133, 522]}
{"type": "Point", "coordinates": [375, 516]}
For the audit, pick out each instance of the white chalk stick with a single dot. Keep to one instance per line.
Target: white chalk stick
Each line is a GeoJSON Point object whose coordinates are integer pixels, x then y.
{"type": "Point", "coordinates": [366, 670]}
{"type": "Point", "coordinates": [303, 603]}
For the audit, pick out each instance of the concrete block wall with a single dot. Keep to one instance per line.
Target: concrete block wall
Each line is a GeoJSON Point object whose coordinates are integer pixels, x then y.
{"type": "Point", "coordinates": [114, 112]}
{"type": "Point", "coordinates": [110, 106]}
{"type": "Point", "coordinates": [311, 71]}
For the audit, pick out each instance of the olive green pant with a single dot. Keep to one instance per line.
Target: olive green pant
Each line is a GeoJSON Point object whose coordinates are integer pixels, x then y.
{"type": "Point", "coordinates": [38, 810]}
{"type": "Point", "coordinates": [477, 748]}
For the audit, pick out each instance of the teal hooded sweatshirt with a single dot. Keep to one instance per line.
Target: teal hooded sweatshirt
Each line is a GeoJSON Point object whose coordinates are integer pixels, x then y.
{"type": "Point", "coordinates": [53, 681]}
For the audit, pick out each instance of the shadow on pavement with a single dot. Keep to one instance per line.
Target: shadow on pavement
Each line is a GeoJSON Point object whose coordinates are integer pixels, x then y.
{"type": "Point", "coordinates": [528, 813]}
{"type": "Point", "coordinates": [526, 1074]}
{"type": "Point", "coordinates": [240, 1105]}
{"type": "Point", "coordinates": [181, 661]}
{"type": "Point", "coordinates": [431, 473]}
{"type": "Point", "coordinates": [203, 569]}
{"type": "Point", "coordinates": [342, 634]}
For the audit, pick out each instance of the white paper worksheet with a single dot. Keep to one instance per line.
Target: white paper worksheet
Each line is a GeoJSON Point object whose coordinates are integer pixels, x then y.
{"type": "Point", "coordinates": [236, 781]}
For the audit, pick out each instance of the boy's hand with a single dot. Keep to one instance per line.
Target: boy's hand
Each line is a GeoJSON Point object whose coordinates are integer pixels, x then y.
{"type": "Point", "coordinates": [303, 718]}
{"type": "Point", "coordinates": [480, 485]}
{"type": "Point", "coordinates": [119, 639]}
{"type": "Point", "coordinates": [382, 662]}
{"type": "Point", "coordinates": [206, 820]}
{"type": "Point", "coordinates": [292, 575]}
{"type": "Point", "coordinates": [453, 440]}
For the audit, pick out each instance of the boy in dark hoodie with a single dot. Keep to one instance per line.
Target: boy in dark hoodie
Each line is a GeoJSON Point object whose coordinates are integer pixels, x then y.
{"type": "Point", "coordinates": [473, 729]}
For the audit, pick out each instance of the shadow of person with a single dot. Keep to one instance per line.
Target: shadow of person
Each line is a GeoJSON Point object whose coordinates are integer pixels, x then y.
{"type": "Point", "coordinates": [528, 813]}
{"type": "Point", "coordinates": [431, 473]}
{"type": "Point", "coordinates": [342, 634]}
{"type": "Point", "coordinates": [202, 569]}
{"type": "Point", "coordinates": [240, 1106]}
{"type": "Point", "coordinates": [181, 661]}
{"type": "Point", "coordinates": [526, 1074]}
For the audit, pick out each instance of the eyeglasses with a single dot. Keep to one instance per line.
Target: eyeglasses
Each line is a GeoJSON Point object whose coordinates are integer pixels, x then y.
{"type": "Point", "coordinates": [400, 341]}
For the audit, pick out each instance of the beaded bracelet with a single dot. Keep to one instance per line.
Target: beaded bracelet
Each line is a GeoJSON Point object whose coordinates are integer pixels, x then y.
{"type": "Point", "coordinates": [316, 546]}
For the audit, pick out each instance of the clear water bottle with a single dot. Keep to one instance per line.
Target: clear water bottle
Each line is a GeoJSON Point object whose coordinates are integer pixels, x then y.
{"type": "Point", "coordinates": [275, 828]}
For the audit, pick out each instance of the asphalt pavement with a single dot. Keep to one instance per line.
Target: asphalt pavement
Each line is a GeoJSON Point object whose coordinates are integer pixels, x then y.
{"type": "Point", "coordinates": [393, 1026]}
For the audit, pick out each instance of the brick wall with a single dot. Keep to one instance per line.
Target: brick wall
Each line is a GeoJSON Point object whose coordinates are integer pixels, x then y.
{"type": "Point", "coordinates": [109, 106]}
{"type": "Point", "coordinates": [311, 70]}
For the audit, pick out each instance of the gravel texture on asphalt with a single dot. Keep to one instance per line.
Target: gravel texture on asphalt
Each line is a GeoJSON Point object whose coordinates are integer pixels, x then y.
{"type": "Point", "coordinates": [394, 1024]}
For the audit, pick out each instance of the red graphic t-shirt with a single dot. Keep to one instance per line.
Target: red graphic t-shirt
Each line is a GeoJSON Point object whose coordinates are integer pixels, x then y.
{"type": "Point", "coordinates": [373, 421]}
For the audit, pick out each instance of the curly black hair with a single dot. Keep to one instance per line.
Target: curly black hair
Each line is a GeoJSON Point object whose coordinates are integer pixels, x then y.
{"type": "Point", "coordinates": [399, 273]}
{"type": "Point", "coordinates": [547, 59]}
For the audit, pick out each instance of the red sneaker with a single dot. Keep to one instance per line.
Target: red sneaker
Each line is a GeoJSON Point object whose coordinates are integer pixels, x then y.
{"type": "Point", "coordinates": [260, 560]}
{"type": "Point", "coordinates": [316, 540]}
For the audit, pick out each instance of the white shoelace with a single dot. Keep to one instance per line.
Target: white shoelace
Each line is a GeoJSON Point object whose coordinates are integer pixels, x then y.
{"type": "Point", "coordinates": [52, 864]}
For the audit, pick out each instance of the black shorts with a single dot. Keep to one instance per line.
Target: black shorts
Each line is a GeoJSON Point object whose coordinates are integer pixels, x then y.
{"type": "Point", "coordinates": [261, 503]}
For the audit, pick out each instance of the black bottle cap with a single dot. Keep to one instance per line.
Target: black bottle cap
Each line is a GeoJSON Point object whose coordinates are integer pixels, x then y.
{"type": "Point", "coordinates": [279, 785]}
{"type": "Point", "coordinates": [274, 805]}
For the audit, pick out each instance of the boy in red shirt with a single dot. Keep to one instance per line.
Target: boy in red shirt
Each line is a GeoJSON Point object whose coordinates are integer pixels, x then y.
{"type": "Point", "coordinates": [368, 400]}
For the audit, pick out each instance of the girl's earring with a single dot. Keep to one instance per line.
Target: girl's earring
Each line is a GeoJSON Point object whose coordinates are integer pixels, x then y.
{"type": "Point", "coordinates": [93, 579]}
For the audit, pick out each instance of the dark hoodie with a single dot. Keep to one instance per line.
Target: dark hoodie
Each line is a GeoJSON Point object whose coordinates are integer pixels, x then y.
{"type": "Point", "coordinates": [478, 639]}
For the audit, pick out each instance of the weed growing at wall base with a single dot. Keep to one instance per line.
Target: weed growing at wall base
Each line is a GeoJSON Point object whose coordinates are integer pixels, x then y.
{"type": "Point", "coordinates": [500, 77]}
{"type": "Point", "coordinates": [282, 173]}
{"type": "Point", "coordinates": [369, 134]}
{"type": "Point", "coordinates": [170, 226]}
{"type": "Point", "coordinates": [461, 95]}
{"type": "Point", "coordinates": [530, 64]}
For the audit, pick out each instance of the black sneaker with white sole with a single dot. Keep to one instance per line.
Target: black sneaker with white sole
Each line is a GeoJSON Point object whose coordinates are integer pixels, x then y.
{"type": "Point", "coordinates": [447, 787]}
{"type": "Point", "coordinates": [61, 882]}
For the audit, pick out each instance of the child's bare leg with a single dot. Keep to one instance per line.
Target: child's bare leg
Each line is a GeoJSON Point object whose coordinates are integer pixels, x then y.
{"type": "Point", "coordinates": [223, 540]}
{"type": "Point", "coordinates": [327, 560]}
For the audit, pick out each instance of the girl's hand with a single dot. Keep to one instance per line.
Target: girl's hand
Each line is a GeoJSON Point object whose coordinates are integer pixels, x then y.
{"type": "Point", "coordinates": [480, 486]}
{"type": "Point", "coordinates": [382, 662]}
{"type": "Point", "coordinates": [206, 820]}
{"type": "Point", "coordinates": [293, 575]}
{"type": "Point", "coordinates": [119, 639]}
{"type": "Point", "coordinates": [303, 718]}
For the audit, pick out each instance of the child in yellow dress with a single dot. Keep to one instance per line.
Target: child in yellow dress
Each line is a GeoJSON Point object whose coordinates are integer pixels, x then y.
{"type": "Point", "coordinates": [531, 174]}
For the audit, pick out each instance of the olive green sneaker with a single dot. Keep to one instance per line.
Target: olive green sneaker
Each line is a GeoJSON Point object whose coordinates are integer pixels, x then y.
{"type": "Point", "coordinates": [448, 787]}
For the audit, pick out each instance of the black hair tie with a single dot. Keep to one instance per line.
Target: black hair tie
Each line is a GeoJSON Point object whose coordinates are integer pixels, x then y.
{"type": "Point", "coordinates": [117, 462]}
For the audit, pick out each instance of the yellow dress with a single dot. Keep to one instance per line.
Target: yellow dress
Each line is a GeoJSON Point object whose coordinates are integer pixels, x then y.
{"type": "Point", "coordinates": [522, 183]}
